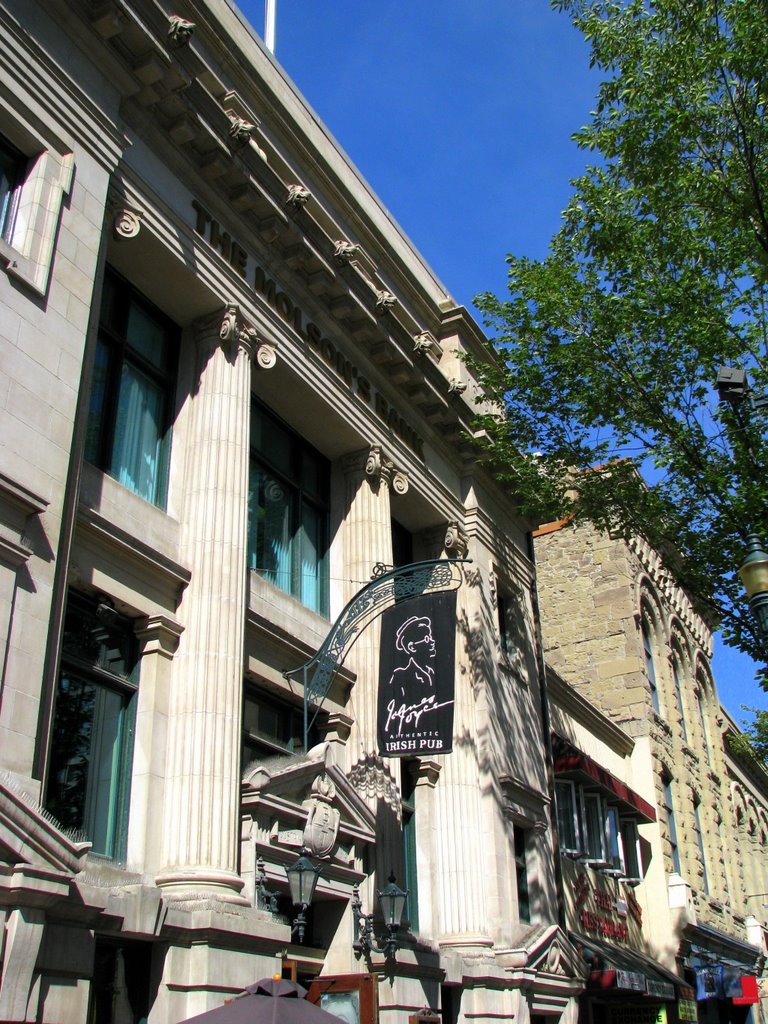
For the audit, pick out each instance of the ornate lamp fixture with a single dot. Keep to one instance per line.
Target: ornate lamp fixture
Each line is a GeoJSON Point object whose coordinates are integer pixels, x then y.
{"type": "Point", "coordinates": [392, 902]}
{"type": "Point", "coordinates": [302, 879]}
{"type": "Point", "coordinates": [754, 576]}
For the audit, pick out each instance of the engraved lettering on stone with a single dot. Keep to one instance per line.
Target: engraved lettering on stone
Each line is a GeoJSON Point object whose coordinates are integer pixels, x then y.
{"type": "Point", "coordinates": [179, 30]}
{"type": "Point", "coordinates": [126, 224]}
{"type": "Point", "coordinates": [298, 196]}
{"type": "Point", "coordinates": [384, 301]}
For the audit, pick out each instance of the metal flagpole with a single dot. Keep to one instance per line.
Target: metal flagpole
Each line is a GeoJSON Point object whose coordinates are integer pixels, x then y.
{"type": "Point", "coordinates": [269, 24]}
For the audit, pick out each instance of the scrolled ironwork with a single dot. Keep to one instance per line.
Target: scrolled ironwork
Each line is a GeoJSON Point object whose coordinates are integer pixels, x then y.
{"type": "Point", "coordinates": [386, 586]}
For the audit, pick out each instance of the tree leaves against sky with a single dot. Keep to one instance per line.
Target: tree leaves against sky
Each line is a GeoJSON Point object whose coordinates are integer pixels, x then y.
{"type": "Point", "coordinates": [611, 345]}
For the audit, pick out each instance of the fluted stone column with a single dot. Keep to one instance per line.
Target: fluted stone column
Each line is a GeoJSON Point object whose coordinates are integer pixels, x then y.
{"type": "Point", "coordinates": [367, 540]}
{"type": "Point", "coordinates": [201, 826]}
{"type": "Point", "coordinates": [461, 898]}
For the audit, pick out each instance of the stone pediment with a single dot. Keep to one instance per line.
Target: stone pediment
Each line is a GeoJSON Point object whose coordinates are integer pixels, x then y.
{"type": "Point", "coordinates": [301, 800]}
{"type": "Point", "coordinates": [547, 967]}
{"type": "Point", "coordinates": [31, 841]}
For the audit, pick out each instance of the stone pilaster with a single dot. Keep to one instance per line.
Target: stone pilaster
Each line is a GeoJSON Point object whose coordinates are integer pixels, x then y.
{"type": "Point", "coordinates": [461, 895]}
{"type": "Point", "coordinates": [201, 826]}
{"type": "Point", "coordinates": [367, 540]}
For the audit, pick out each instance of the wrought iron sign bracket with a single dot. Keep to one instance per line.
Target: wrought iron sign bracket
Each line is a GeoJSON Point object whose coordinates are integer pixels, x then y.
{"type": "Point", "coordinates": [386, 587]}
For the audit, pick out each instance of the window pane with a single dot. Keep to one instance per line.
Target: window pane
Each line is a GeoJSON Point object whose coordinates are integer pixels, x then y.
{"type": "Point", "coordinates": [312, 585]}
{"type": "Point", "coordinates": [137, 453]}
{"type": "Point", "coordinates": [12, 167]}
{"type": "Point", "coordinates": [147, 336]}
{"type": "Point", "coordinates": [86, 755]}
{"type": "Point", "coordinates": [95, 427]}
{"type": "Point", "coordinates": [595, 827]}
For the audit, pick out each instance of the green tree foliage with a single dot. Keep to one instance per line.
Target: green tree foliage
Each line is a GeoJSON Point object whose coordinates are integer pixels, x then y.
{"type": "Point", "coordinates": [610, 346]}
{"type": "Point", "coordinates": [753, 741]}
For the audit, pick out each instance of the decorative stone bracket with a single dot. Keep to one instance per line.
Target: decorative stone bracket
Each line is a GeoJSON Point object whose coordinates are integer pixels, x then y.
{"type": "Point", "coordinates": [235, 330]}
{"type": "Point", "coordinates": [381, 468]}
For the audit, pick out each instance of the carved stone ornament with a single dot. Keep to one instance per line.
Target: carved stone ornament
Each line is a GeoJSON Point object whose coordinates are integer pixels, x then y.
{"type": "Point", "coordinates": [400, 482]}
{"type": "Point", "coordinates": [126, 223]}
{"type": "Point", "coordinates": [179, 30]}
{"type": "Point", "coordinates": [423, 343]}
{"type": "Point", "coordinates": [456, 541]}
{"type": "Point", "coordinates": [322, 828]}
{"type": "Point", "coordinates": [344, 250]}
{"type": "Point", "coordinates": [240, 130]}
{"type": "Point", "coordinates": [371, 779]}
{"type": "Point", "coordinates": [228, 327]}
{"type": "Point", "coordinates": [457, 386]}
{"type": "Point", "coordinates": [266, 356]}
{"type": "Point", "coordinates": [384, 301]}
{"type": "Point", "coordinates": [373, 462]}
{"type": "Point", "coordinates": [298, 196]}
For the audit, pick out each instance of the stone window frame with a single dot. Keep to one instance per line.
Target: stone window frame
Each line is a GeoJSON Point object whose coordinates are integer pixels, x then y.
{"type": "Point", "coordinates": [29, 252]}
{"type": "Point", "coordinates": [681, 670]}
{"type": "Point", "coordinates": [651, 623]}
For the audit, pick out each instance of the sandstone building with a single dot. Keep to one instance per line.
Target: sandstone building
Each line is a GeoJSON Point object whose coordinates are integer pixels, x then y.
{"type": "Point", "coordinates": [622, 636]}
{"type": "Point", "coordinates": [229, 388]}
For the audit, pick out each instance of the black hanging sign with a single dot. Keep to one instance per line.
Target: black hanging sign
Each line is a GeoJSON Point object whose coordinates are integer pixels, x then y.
{"type": "Point", "coordinates": [416, 676]}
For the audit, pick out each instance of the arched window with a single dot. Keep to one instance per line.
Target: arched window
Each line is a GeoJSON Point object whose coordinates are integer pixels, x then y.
{"type": "Point", "coordinates": [701, 694]}
{"type": "Point", "coordinates": [648, 631]}
{"type": "Point", "coordinates": [678, 677]}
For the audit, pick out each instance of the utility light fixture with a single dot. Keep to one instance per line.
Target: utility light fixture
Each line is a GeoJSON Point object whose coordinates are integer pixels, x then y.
{"type": "Point", "coordinates": [302, 880]}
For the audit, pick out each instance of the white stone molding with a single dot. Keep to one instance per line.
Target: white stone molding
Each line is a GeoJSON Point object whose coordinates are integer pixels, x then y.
{"type": "Point", "coordinates": [24, 930]}
{"type": "Point", "coordinates": [456, 541]}
{"type": "Point", "coordinates": [159, 634]}
{"type": "Point", "coordinates": [322, 828]}
{"type": "Point", "coordinates": [298, 196]}
{"type": "Point", "coordinates": [179, 30]}
{"type": "Point", "coordinates": [343, 251]}
{"type": "Point", "coordinates": [126, 223]}
{"type": "Point", "coordinates": [456, 386]}
{"type": "Point", "coordinates": [385, 301]}
{"type": "Point", "coordinates": [240, 130]}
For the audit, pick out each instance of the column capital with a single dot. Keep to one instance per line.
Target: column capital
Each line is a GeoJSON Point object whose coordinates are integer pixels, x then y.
{"type": "Point", "coordinates": [456, 540]}
{"type": "Point", "coordinates": [230, 329]}
{"type": "Point", "coordinates": [159, 634]}
{"type": "Point", "coordinates": [377, 467]}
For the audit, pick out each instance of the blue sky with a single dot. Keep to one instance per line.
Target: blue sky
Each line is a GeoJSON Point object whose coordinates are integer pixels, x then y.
{"type": "Point", "coordinates": [460, 116]}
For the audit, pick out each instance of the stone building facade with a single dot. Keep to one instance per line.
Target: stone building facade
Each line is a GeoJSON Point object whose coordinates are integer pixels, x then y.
{"type": "Point", "coordinates": [627, 639]}
{"type": "Point", "coordinates": [229, 389]}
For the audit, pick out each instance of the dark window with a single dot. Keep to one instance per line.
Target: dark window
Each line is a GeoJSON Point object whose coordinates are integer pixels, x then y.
{"type": "Point", "coordinates": [13, 165]}
{"type": "Point", "coordinates": [677, 663]}
{"type": "Point", "coordinates": [402, 545]}
{"type": "Point", "coordinates": [92, 741]}
{"type": "Point", "coordinates": [630, 843]}
{"type": "Point", "coordinates": [700, 844]}
{"type": "Point", "coordinates": [669, 807]}
{"type": "Point", "coordinates": [595, 829]}
{"type": "Point", "coordinates": [288, 511]}
{"type": "Point", "coordinates": [650, 667]}
{"type": "Point", "coordinates": [411, 882]}
{"type": "Point", "coordinates": [272, 727]}
{"type": "Point", "coordinates": [568, 817]}
{"type": "Point", "coordinates": [521, 874]}
{"type": "Point", "coordinates": [129, 424]}
{"type": "Point", "coordinates": [509, 619]}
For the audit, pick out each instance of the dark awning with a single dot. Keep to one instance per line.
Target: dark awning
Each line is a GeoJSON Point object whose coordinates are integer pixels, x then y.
{"type": "Point", "coordinates": [572, 762]}
{"type": "Point", "coordinates": [626, 970]}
